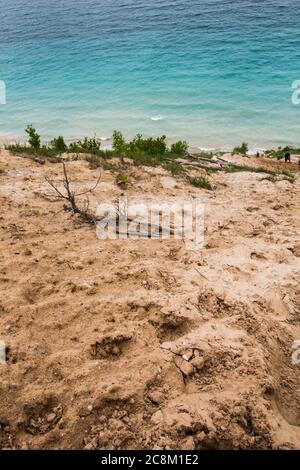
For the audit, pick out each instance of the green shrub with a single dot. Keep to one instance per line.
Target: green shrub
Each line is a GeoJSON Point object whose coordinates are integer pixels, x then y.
{"type": "Point", "coordinates": [200, 182]}
{"type": "Point", "coordinates": [87, 145]}
{"type": "Point", "coordinates": [150, 146]}
{"type": "Point", "coordinates": [34, 139]}
{"type": "Point", "coordinates": [179, 148]}
{"type": "Point", "coordinates": [58, 144]}
{"type": "Point", "coordinates": [243, 149]}
{"type": "Point", "coordinates": [119, 144]}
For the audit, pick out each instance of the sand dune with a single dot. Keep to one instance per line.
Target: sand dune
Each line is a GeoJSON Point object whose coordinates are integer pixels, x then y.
{"type": "Point", "coordinates": [140, 343]}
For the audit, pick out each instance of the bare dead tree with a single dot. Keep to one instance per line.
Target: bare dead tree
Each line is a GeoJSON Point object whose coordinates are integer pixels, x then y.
{"type": "Point", "coordinates": [71, 196]}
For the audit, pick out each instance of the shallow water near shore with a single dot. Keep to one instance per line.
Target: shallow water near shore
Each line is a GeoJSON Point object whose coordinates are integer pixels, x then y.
{"type": "Point", "coordinates": [212, 72]}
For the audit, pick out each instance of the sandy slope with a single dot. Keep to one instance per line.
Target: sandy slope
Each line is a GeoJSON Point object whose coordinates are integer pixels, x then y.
{"type": "Point", "coordinates": [96, 330]}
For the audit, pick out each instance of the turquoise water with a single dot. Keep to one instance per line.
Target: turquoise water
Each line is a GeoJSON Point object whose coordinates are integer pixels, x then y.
{"type": "Point", "coordinates": [212, 72]}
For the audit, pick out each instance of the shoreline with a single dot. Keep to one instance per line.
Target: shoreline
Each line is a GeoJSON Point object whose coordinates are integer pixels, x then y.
{"type": "Point", "coordinates": [106, 143]}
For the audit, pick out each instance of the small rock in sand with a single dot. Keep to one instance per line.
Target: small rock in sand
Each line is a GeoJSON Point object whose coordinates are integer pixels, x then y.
{"type": "Point", "coordinates": [157, 417]}
{"type": "Point", "coordinates": [201, 436]}
{"type": "Point", "coordinates": [188, 443]}
{"type": "Point", "coordinates": [187, 355]}
{"type": "Point", "coordinates": [185, 367]}
{"type": "Point", "coordinates": [51, 417]}
{"type": "Point", "coordinates": [156, 397]}
{"type": "Point", "coordinates": [198, 362]}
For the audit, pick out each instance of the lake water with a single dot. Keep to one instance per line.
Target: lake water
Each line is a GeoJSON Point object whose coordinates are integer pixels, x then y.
{"type": "Point", "coordinates": [213, 72]}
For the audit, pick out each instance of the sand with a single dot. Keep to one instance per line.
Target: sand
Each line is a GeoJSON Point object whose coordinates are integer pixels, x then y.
{"type": "Point", "coordinates": [143, 344]}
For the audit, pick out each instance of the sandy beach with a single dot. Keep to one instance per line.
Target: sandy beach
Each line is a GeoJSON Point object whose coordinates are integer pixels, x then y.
{"type": "Point", "coordinates": [141, 344]}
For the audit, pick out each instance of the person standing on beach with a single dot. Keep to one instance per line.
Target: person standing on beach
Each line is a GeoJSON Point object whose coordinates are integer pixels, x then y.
{"type": "Point", "coordinates": [287, 157]}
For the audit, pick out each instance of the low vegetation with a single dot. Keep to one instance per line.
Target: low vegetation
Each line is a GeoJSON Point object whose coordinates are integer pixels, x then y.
{"type": "Point", "coordinates": [201, 182]}
{"type": "Point", "coordinates": [242, 149]}
{"type": "Point", "coordinates": [87, 145]}
{"type": "Point", "coordinates": [253, 169]}
{"type": "Point", "coordinates": [204, 155]}
{"type": "Point", "coordinates": [273, 175]}
{"type": "Point", "coordinates": [281, 151]}
{"type": "Point", "coordinates": [147, 151]}
{"type": "Point", "coordinates": [179, 148]}
{"type": "Point", "coordinates": [174, 168]}
{"type": "Point", "coordinates": [122, 180]}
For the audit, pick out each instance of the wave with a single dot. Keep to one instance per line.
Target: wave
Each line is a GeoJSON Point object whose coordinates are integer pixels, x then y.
{"type": "Point", "coordinates": [157, 118]}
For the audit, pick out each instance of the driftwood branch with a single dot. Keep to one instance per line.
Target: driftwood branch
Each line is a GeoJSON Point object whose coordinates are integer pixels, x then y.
{"type": "Point", "coordinates": [70, 196]}
{"type": "Point", "coordinates": [147, 230]}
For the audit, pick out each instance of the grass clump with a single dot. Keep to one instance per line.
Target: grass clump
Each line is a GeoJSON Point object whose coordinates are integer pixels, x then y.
{"type": "Point", "coordinates": [242, 149]}
{"type": "Point", "coordinates": [287, 176]}
{"type": "Point", "coordinates": [271, 178]}
{"type": "Point", "coordinates": [252, 169]}
{"type": "Point", "coordinates": [173, 167]}
{"type": "Point", "coordinates": [200, 182]}
{"type": "Point", "coordinates": [204, 155]}
{"type": "Point", "coordinates": [122, 180]}
{"type": "Point", "coordinates": [95, 161]}
{"type": "Point", "coordinates": [273, 175]}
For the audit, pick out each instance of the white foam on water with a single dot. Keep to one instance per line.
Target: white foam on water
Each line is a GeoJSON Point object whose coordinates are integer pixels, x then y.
{"type": "Point", "coordinates": [157, 118]}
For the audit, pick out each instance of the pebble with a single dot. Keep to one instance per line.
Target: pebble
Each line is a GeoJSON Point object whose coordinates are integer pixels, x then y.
{"type": "Point", "coordinates": [187, 355]}
{"type": "Point", "coordinates": [188, 443]}
{"type": "Point", "coordinates": [157, 417]}
{"type": "Point", "coordinates": [51, 417]}
{"type": "Point", "coordinates": [186, 368]}
{"type": "Point", "coordinates": [115, 350]}
{"type": "Point", "coordinates": [156, 397]}
{"type": "Point", "coordinates": [198, 362]}
{"type": "Point", "coordinates": [201, 436]}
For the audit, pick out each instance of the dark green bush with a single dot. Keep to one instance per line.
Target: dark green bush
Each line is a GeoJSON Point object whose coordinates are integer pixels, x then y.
{"type": "Point", "coordinates": [58, 144]}
{"type": "Point", "coordinates": [119, 144]}
{"type": "Point", "coordinates": [34, 139]}
{"type": "Point", "coordinates": [87, 145]}
{"type": "Point", "coordinates": [179, 148]}
{"type": "Point", "coordinates": [150, 146]}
